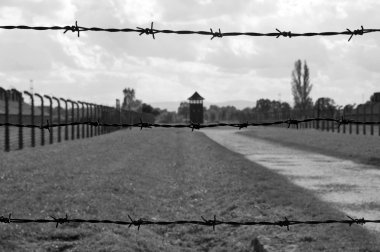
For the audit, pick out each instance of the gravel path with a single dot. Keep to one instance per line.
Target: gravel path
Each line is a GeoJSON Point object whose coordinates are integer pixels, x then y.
{"type": "Point", "coordinates": [351, 187]}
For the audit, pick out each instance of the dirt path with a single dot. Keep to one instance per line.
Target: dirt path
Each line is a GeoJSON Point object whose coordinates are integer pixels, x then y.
{"type": "Point", "coordinates": [351, 187]}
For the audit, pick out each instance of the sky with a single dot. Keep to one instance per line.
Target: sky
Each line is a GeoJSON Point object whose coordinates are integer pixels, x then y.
{"type": "Point", "coordinates": [97, 66]}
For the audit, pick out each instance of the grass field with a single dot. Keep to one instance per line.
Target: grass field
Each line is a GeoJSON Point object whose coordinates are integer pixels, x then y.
{"type": "Point", "coordinates": [162, 175]}
{"type": "Point", "coordinates": [360, 148]}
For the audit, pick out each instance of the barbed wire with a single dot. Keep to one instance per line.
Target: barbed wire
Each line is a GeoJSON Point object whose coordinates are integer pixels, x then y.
{"type": "Point", "coordinates": [191, 125]}
{"type": "Point", "coordinates": [203, 222]}
{"type": "Point", "coordinates": [214, 34]}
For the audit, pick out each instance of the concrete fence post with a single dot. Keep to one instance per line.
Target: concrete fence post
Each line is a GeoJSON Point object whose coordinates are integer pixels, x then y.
{"type": "Point", "coordinates": [33, 140]}
{"type": "Point", "coordinates": [6, 119]}
{"type": "Point", "coordinates": [72, 119]}
{"type": "Point", "coordinates": [50, 118]}
{"type": "Point", "coordinates": [66, 119]}
{"type": "Point", "coordinates": [42, 118]}
{"type": "Point", "coordinates": [59, 117]}
{"type": "Point", "coordinates": [20, 119]}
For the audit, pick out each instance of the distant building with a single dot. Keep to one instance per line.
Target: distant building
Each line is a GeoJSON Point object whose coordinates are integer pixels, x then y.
{"type": "Point", "coordinates": [196, 108]}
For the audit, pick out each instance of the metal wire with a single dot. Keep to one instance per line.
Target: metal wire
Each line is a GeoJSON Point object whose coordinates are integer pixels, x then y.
{"type": "Point", "coordinates": [214, 34]}
{"type": "Point", "coordinates": [203, 222]}
{"type": "Point", "coordinates": [191, 125]}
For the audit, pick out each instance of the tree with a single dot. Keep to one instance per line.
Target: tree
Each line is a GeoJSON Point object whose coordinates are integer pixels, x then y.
{"type": "Point", "coordinates": [301, 87]}
{"type": "Point", "coordinates": [146, 108]}
{"type": "Point", "coordinates": [183, 110]}
{"type": "Point", "coordinates": [285, 110]}
{"type": "Point", "coordinates": [129, 97]}
{"type": "Point", "coordinates": [349, 108]}
{"type": "Point", "coordinates": [325, 106]}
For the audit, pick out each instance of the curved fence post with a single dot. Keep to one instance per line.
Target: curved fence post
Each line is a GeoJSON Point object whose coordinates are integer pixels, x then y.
{"type": "Point", "coordinates": [78, 119]}
{"type": "Point", "coordinates": [42, 118]}
{"type": "Point", "coordinates": [91, 119]}
{"type": "Point", "coordinates": [20, 129]}
{"type": "Point", "coordinates": [33, 140]}
{"type": "Point", "coordinates": [93, 113]}
{"type": "Point", "coordinates": [66, 120]}
{"type": "Point", "coordinates": [6, 119]}
{"type": "Point", "coordinates": [106, 117]}
{"type": "Point", "coordinates": [88, 119]}
{"type": "Point", "coordinates": [59, 117]}
{"type": "Point", "coordinates": [50, 118]}
{"type": "Point", "coordinates": [344, 116]}
{"type": "Point", "coordinates": [99, 118]}
{"type": "Point", "coordinates": [357, 119]}
{"type": "Point", "coordinates": [72, 119]}
{"type": "Point", "coordinates": [82, 119]}
{"type": "Point", "coordinates": [101, 115]}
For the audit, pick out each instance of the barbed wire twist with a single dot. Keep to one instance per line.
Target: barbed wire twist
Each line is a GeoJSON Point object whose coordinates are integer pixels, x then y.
{"type": "Point", "coordinates": [152, 31]}
{"type": "Point", "coordinates": [203, 222]}
{"type": "Point", "coordinates": [193, 126]}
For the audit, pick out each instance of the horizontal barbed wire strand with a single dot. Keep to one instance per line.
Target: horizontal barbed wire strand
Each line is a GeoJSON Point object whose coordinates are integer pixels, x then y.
{"type": "Point", "coordinates": [191, 125]}
{"type": "Point", "coordinates": [202, 221]}
{"type": "Point", "coordinates": [214, 34]}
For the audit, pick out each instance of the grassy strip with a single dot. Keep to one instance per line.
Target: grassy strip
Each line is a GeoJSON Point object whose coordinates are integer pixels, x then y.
{"type": "Point", "coordinates": [360, 148]}
{"type": "Point", "coordinates": [161, 175]}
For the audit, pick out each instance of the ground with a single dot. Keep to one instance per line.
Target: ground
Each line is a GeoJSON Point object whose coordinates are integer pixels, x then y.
{"type": "Point", "coordinates": [360, 148]}
{"type": "Point", "coordinates": [159, 174]}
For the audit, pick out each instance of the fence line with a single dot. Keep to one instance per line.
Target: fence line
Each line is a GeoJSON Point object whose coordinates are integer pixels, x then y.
{"type": "Point", "coordinates": [214, 34]}
{"type": "Point", "coordinates": [369, 112]}
{"type": "Point", "coordinates": [48, 126]}
{"type": "Point", "coordinates": [18, 113]}
{"type": "Point", "coordinates": [203, 222]}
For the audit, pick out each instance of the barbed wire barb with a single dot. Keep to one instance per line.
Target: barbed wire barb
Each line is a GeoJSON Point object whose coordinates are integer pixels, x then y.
{"type": "Point", "coordinates": [216, 34]}
{"type": "Point", "coordinates": [147, 31]}
{"type": "Point", "coordinates": [60, 220]}
{"type": "Point", "coordinates": [144, 125]}
{"type": "Point", "coordinates": [285, 34]}
{"type": "Point", "coordinates": [73, 28]}
{"type": "Point", "coordinates": [355, 32]}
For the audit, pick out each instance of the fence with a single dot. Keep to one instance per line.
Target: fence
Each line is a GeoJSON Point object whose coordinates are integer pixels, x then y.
{"type": "Point", "coordinates": [85, 119]}
{"type": "Point", "coordinates": [367, 114]}
{"type": "Point", "coordinates": [13, 110]}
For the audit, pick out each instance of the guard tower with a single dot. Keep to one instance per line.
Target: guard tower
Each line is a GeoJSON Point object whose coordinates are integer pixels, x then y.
{"type": "Point", "coordinates": [196, 108]}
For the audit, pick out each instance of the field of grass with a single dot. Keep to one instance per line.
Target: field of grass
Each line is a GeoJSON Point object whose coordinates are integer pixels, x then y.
{"type": "Point", "coordinates": [360, 148]}
{"type": "Point", "coordinates": [158, 174]}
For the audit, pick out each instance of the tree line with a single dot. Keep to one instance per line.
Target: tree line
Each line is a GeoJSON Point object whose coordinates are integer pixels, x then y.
{"type": "Point", "coordinates": [265, 109]}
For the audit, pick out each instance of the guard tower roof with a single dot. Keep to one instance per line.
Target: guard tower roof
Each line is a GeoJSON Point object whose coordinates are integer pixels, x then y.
{"type": "Point", "coordinates": [195, 97]}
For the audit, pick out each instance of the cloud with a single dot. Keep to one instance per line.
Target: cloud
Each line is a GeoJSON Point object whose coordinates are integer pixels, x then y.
{"type": "Point", "coordinates": [98, 65]}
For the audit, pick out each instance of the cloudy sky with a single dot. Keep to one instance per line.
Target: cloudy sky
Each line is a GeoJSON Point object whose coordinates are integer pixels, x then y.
{"type": "Point", "coordinates": [97, 66]}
